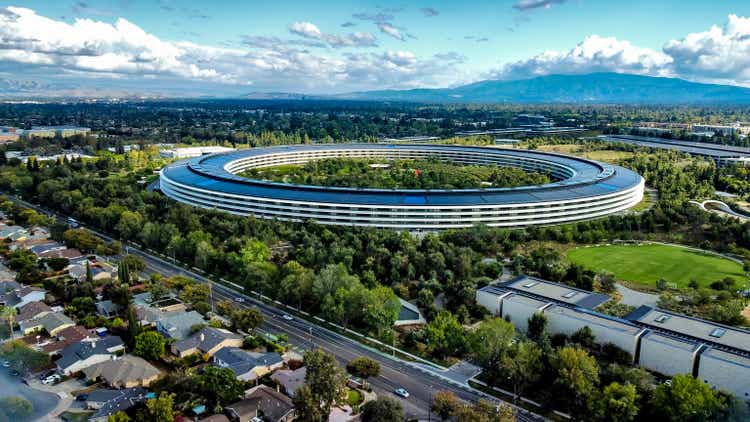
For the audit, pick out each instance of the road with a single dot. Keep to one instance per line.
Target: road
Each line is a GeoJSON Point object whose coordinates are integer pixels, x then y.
{"type": "Point", "coordinates": [421, 382]}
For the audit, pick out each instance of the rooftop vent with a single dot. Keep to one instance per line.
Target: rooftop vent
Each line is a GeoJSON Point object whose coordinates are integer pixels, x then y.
{"type": "Point", "coordinates": [717, 332]}
{"type": "Point", "coordinates": [530, 285]}
{"type": "Point", "coordinates": [662, 318]}
{"type": "Point", "coordinates": [570, 294]}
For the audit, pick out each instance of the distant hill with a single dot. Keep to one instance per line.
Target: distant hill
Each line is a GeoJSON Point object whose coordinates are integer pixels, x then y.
{"type": "Point", "coordinates": [613, 88]}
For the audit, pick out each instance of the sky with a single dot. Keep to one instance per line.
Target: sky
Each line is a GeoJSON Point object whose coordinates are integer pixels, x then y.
{"type": "Point", "coordinates": [237, 47]}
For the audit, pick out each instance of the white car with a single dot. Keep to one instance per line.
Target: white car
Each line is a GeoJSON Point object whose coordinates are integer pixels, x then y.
{"type": "Point", "coordinates": [239, 299]}
{"type": "Point", "coordinates": [6, 364]}
{"type": "Point", "coordinates": [52, 380]}
{"type": "Point", "coordinates": [401, 392]}
{"type": "Point", "coordinates": [287, 317]}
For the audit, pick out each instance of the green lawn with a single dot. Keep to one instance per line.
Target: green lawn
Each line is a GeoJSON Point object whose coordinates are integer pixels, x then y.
{"type": "Point", "coordinates": [354, 397]}
{"type": "Point", "coordinates": [646, 264]}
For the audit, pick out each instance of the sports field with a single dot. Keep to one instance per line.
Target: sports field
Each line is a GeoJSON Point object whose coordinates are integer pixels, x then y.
{"type": "Point", "coordinates": [645, 264]}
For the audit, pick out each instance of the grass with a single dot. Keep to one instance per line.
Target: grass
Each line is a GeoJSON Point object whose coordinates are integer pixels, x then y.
{"type": "Point", "coordinates": [354, 397]}
{"type": "Point", "coordinates": [75, 416]}
{"type": "Point", "coordinates": [575, 149]}
{"type": "Point", "coordinates": [645, 264]}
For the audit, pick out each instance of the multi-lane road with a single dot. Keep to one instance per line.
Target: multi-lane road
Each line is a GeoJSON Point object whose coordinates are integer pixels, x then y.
{"type": "Point", "coordinates": [420, 380]}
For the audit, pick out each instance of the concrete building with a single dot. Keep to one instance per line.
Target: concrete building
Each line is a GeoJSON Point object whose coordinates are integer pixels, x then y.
{"type": "Point", "coordinates": [518, 309]}
{"type": "Point", "coordinates": [625, 335]}
{"type": "Point", "coordinates": [52, 131]}
{"type": "Point", "coordinates": [726, 371]}
{"type": "Point", "coordinates": [554, 292]}
{"type": "Point", "coordinates": [668, 355]}
{"type": "Point", "coordinates": [192, 152]}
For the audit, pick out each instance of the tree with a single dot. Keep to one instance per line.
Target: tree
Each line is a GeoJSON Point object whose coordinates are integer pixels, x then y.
{"type": "Point", "coordinates": [23, 358]}
{"type": "Point", "coordinates": [247, 319]}
{"type": "Point", "coordinates": [16, 407]}
{"type": "Point", "coordinates": [491, 340]}
{"type": "Point", "coordinates": [134, 325]}
{"type": "Point", "coordinates": [120, 416]}
{"type": "Point", "coordinates": [445, 404]}
{"type": "Point", "coordinates": [523, 365]}
{"type": "Point", "coordinates": [686, 399]}
{"type": "Point", "coordinates": [307, 405]}
{"type": "Point", "coordinates": [584, 337]}
{"type": "Point", "coordinates": [326, 382]}
{"type": "Point", "coordinates": [89, 273]}
{"type": "Point", "coordinates": [577, 375]}
{"type": "Point", "coordinates": [382, 409]}
{"type": "Point", "coordinates": [159, 409]}
{"type": "Point", "coordinates": [538, 332]}
{"type": "Point", "coordinates": [9, 314]}
{"type": "Point", "coordinates": [135, 264]}
{"type": "Point", "coordinates": [445, 334]}
{"type": "Point", "coordinates": [219, 386]}
{"type": "Point", "coordinates": [606, 281]}
{"type": "Point", "coordinates": [483, 411]}
{"type": "Point", "coordinates": [363, 367]}
{"type": "Point", "coordinates": [149, 345]}
{"type": "Point", "coordinates": [296, 285]}
{"type": "Point", "coordinates": [617, 403]}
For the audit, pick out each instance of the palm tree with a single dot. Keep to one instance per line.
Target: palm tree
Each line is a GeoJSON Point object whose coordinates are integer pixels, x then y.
{"type": "Point", "coordinates": [9, 314]}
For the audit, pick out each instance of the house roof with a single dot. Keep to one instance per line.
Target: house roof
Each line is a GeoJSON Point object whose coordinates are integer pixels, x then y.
{"type": "Point", "coordinates": [215, 418]}
{"type": "Point", "coordinates": [273, 404]}
{"type": "Point", "coordinates": [107, 307]}
{"type": "Point", "coordinates": [206, 339]}
{"type": "Point", "coordinates": [83, 350]}
{"type": "Point", "coordinates": [178, 325]}
{"type": "Point", "coordinates": [67, 337]}
{"type": "Point", "coordinates": [50, 321]}
{"type": "Point", "coordinates": [32, 310]}
{"type": "Point", "coordinates": [409, 314]}
{"type": "Point", "coordinates": [121, 371]}
{"type": "Point", "coordinates": [291, 380]}
{"type": "Point", "coordinates": [242, 362]}
{"type": "Point", "coordinates": [69, 253]}
{"type": "Point", "coordinates": [9, 285]}
{"type": "Point", "coordinates": [116, 400]}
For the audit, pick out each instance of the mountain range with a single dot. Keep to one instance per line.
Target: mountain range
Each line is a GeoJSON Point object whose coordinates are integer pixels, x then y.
{"type": "Point", "coordinates": [610, 88]}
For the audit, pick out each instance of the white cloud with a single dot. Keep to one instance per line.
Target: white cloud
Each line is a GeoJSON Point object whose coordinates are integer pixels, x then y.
{"type": "Point", "coordinates": [389, 29]}
{"type": "Point", "coordinates": [720, 53]}
{"type": "Point", "coordinates": [593, 54]}
{"type": "Point", "coordinates": [356, 39]}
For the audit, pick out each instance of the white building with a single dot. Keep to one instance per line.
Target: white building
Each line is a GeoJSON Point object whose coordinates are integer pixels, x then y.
{"type": "Point", "coordinates": [667, 355]}
{"type": "Point", "coordinates": [518, 309]}
{"type": "Point", "coordinates": [192, 152]}
{"type": "Point", "coordinates": [564, 320]}
{"type": "Point", "coordinates": [726, 371]}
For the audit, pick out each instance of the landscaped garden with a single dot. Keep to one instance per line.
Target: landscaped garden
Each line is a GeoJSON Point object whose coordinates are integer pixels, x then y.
{"type": "Point", "coordinates": [647, 263]}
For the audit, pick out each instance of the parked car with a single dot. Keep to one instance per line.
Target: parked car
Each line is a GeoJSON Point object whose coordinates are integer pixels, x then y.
{"type": "Point", "coordinates": [287, 317]}
{"type": "Point", "coordinates": [6, 364]}
{"type": "Point", "coordinates": [401, 392]}
{"type": "Point", "coordinates": [82, 397]}
{"type": "Point", "coordinates": [52, 379]}
{"type": "Point", "coordinates": [47, 374]}
{"type": "Point", "coordinates": [239, 299]}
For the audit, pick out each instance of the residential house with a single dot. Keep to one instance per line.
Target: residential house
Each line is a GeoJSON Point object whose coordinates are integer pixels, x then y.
{"type": "Point", "coordinates": [108, 309]}
{"type": "Point", "coordinates": [247, 366]}
{"type": "Point", "coordinates": [215, 418]}
{"type": "Point", "coordinates": [22, 295]}
{"type": "Point", "coordinates": [108, 402]}
{"type": "Point", "coordinates": [290, 379]}
{"type": "Point", "coordinates": [79, 356]}
{"type": "Point", "coordinates": [409, 314]}
{"type": "Point", "coordinates": [78, 272]}
{"type": "Point", "coordinates": [65, 338]}
{"type": "Point", "coordinates": [13, 233]}
{"type": "Point", "coordinates": [207, 341]}
{"type": "Point", "coordinates": [48, 246]}
{"type": "Point", "coordinates": [124, 372]}
{"type": "Point", "coordinates": [262, 401]}
{"type": "Point", "coordinates": [178, 326]}
{"type": "Point", "coordinates": [32, 310]}
{"type": "Point", "coordinates": [149, 312]}
{"type": "Point", "coordinates": [51, 322]}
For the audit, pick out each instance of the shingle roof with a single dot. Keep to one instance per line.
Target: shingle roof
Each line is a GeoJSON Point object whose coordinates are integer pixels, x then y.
{"type": "Point", "coordinates": [273, 404]}
{"type": "Point", "coordinates": [85, 349]}
{"type": "Point", "coordinates": [178, 325]}
{"type": "Point", "coordinates": [32, 310]}
{"type": "Point", "coordinates": [242, 362]}
{"type": "Point", "coordinates": [122, 371]}
{"type": "Point", "coordinates": [206, 339]}
{"type": "Point", "coordinates": [50, 321]}
{"type": "Point", "coordinates": [291, 380]}
{"type": "Point", "coordinates": [117, 400]}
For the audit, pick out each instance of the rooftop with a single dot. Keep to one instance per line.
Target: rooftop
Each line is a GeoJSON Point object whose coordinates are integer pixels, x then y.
{"type": "Point", "coordinates": [557, 292]}
{"type": "Point", "coordinates": [116, 400]}
{"type": "Point", "coordinates": [595, 319]}
{"type": "Point", "coordinates": [206, 339]}
{"type": "Point", "coordinates": [692, 328]}
{"type": "Point", "coordinates": [178, 325]}
{"type": "Point", "coordinates": [688, 345]}
{"type": "Point", "coordinates": [123, 371]}
{"type": "Point", "coordinates": [242, 362]}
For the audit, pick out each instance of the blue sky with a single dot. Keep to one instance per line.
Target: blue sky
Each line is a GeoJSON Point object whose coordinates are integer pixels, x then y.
{"type": "Point", "coordinates": [230, 47]}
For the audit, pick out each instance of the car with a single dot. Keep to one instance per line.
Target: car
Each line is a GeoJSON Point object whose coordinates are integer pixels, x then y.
{"type": "Point", "coordinates": [6, 364]}
{"type": "Point", "coordinates": [287, 317]}
{"type": "Point", "coordinates": [401, 392]}
{"type": "Point", "coordinates": [256, 419]}
{"type": "Point", "coordinates": [47, 374]}
{"type": "Point", "coordinates": [82, 397]}
{"type": "Point", "coordinates": [239, 299]}
{"type": "Point", "coordinates": [15, 373]}
{"type": "Point", "coordinates": [52, 379]}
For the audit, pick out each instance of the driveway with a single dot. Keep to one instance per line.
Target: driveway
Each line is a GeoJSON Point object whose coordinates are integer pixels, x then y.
{"type": "Point", "coordinates": [43, 402]}
{"type": "Point", "coordinates": [635, 298]}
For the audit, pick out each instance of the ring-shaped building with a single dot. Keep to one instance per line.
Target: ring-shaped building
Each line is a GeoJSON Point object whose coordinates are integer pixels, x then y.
{"type": "Point", "coordinates": [581, 189]}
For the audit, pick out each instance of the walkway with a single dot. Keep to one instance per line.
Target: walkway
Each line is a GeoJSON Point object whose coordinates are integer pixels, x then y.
{"type": "Point", "coordinates": [635, 298]}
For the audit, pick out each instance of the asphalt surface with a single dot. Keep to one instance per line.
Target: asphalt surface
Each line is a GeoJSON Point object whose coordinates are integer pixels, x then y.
{"type": "Point", "coordinates": [420, 381]}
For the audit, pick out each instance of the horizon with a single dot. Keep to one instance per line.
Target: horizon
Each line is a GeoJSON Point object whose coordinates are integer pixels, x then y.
{"type": "Point", "coordinates": [171, 48]}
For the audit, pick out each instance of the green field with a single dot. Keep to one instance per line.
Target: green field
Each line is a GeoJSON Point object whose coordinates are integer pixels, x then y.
{"type": "Point", "coordinates": [646, 264]}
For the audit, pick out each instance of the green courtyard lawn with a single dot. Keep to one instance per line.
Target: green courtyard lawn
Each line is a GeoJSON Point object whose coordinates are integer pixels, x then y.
{"type": "Point", "coordinates": [645, 264]}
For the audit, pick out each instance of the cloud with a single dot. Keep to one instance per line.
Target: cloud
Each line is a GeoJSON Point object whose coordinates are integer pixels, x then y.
{"type": "Point", "coordinates": [311, 31]}
{"type": "Point", "coordinates": [720, 53]}
{"type": "Point", "coordinates": [348, 24]}
{"type": "Point", "coordinates": [84, 8]}
{"type": "Point", "coordinates": [389, 29]}
{"type": "Point", "coordinates": [593, 54]}
{"type": "Point", "coordinates": [374, 17]}
{"type": "Point", "coordinates": [104, 56]}
{"type": "Point", "coordinates": [524, 5]}
{"type": "Point", "coordinates": [429, 12]}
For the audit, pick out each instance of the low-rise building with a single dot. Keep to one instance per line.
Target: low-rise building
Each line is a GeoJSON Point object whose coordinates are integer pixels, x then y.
{"type": "Point", "coordinates": [247, 366]}
{"type": "Point", "coordinates": [178, 326]}
{"type": "Point", "coordinates": [409, 314]}
{"type": "Point", "coordinates": [723, 370]}
{"type": "Point", "coordinates": [668, 355]}
{"type": "Point", "coordinates": [518, 309]}
{"type": "Point", "coordinates": [22, 295]}
{"type": "Point", "coordinates": [290, 379]}
{"type": "Point", "coordinates": [79, 356]}
{"type": "Point", "coordinates": [32, 310]}
{"type": "Point", "coordinates": [606, 329]}
{"type": "Point", "coordinates": [107, 308]}
{"type": "Point", "coordinates": [127, 371]}
{"type": "Point", "coordinates": [191, 152]}
{"type": "Point", "coordinates": [262, 401]}
{"type": "Point", "coordinates": [108, 402]}
{"type": "Point", "coordinates": [51, 322]}
{"type": "Point", "coordinates": [207, 341]}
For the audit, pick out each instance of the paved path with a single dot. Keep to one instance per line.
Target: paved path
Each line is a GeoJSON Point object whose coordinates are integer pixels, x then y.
{"type": "Point", "coordinates": [635, 298]}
